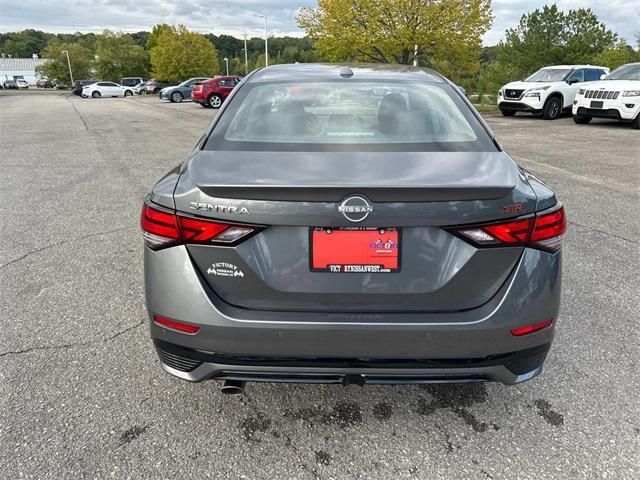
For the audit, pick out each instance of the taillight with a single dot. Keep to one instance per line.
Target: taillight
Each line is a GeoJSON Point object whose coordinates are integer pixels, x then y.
{"type": "Point", "coordinates": [549, 230]}
{"type": "Point", "coordinates": [544, 231]}
{"type": "Point", "coordinates": [161, 229]}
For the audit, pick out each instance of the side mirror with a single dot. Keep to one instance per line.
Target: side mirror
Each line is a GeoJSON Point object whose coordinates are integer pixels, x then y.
{"type": "Point", "coordinates": [571, 81]}
{"type": "Point", "coordinates": [603, 76]}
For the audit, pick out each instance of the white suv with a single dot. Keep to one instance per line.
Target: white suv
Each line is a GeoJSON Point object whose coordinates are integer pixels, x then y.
{"type": "Point", "coordinates": [617, 97]}
{"type": "Point", "coordinates": [549, 91]}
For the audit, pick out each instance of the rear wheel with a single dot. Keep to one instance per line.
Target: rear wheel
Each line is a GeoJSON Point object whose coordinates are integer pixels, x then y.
{"type": "Point", "coordinates": [636, 122]}
{"type": "Point", "coordinates": [128, 93]}
{"type": "Point", "coordinates": [582, 120]}
{"type": "Point", "coordinates": [214, 101]}
{"type": "Point", "coordinates": [552, 108]}
{"type": "Point", "coordinates": [96, 94]}
{"type": "Point", "coordinates": [508, 113]}
{"type": "Point", "coordinates": [176, 97]}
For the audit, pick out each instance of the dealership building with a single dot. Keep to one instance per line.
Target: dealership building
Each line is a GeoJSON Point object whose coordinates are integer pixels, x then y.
{"type": "Point", "coordinates": [19, 68]}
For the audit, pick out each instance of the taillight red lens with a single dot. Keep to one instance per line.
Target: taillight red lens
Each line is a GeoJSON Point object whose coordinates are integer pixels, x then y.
{"type": "Point", "coordinates": [549, 230]}
{"type": "Point", "coordinates": [174, 325]}
{"type": "Point", "coordinates": [518, 332]}
{"type": "Point", "coordinates": [162, 229]}
{"type": "Point", "coordinates": [513, 233]}
{"type": "Point", "coordinates": [158, 228]}
{"type": "Point", "coordinates": [542, 231]}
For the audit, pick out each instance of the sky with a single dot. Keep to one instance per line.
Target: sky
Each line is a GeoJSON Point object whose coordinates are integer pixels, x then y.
{"type": "Point", "coordinates": [242, 16]}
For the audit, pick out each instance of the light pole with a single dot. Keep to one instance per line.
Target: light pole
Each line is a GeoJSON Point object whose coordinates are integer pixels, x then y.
{"type": "Point", "coordinates": [246, 61]}
{"type": "Point", "coordinates": [226, 61]}
{"type": "Point", "coordinates": [69, 63]}
{"type": "Point", "coordinates": [266, 47]}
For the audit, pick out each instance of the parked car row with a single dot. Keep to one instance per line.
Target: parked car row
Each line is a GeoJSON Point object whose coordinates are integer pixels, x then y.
{"type": "Point", "coordinates": [587, 91]}
{"type": "Point", "coordinates": [11, 84]}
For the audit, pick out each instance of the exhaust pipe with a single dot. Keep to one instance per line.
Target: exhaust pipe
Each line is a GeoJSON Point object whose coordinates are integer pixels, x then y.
{"type": "Point", "coordinates": [232, 387]}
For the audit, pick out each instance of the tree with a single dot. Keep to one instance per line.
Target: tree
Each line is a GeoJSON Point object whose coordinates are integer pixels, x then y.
{"type": "Point", "coordinates": [117, 56]}
{"type": "Point", "coordinates": [152, 38]}
{"type": "Point", "coordinates": [180, 54]}
{"type": "Point", "coordinates": [617, 55]}
{"type": "Point", "coordinates": [448, 33]}
{"type": "Point", "coordinates": [57, 70]}
{"type": "Point", "coordinates": [549, 36]}
{"type": "Point", "coordinates": [25, 43]}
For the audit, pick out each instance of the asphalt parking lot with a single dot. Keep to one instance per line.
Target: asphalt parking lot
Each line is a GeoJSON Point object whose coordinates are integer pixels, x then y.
{"type": "Point", "coordinates": [82, 393]}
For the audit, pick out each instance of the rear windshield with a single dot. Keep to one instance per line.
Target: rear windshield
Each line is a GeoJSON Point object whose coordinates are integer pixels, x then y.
{"type": "Point", "coordinates": [349, 115]}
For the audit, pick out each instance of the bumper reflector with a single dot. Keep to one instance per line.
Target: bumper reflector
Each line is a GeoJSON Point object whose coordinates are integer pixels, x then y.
{"type": "Point", "coordinates": [177, 326]}
{"type": "Point", "coordinates": [518, 332]}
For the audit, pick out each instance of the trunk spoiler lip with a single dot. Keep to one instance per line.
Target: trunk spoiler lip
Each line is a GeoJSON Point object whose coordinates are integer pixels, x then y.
{"type": "Point", "coordinates": [375, 193]}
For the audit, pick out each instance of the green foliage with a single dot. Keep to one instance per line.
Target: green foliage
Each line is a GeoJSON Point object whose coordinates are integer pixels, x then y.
{"type": "Point", "coordinates": [548, 36]}
{"type": "Point", "coordinates": [617, 55]}
{"type": "Point", "coordinates": [117, 56]}
{"type": "Point", "coordinates": [448, 32]}
{"type": "Point", "coordinates": [25, 43]}
{"type": "Point", "coordinates": [57, 70]}
{"type": "Point", "coordinates": [152, 38]}
{"type": "Point", "coordinates": [179, 54]}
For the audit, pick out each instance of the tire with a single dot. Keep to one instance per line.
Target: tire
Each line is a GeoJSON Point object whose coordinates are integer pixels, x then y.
{"type": "Point", "coordinates": [176, 97]}
{"type": "Point", "coordinates": [96, 94]}
{"type": "Point", "coordinates": [552, 108]}
{"type": "Point", "coordinates": [508, 113]}
{"type": "Point", "coordinates": [582, 120]}
{"type": "Point", "coordinates": [636, 122]}
{"type": "Point", "coordinates": [214, 101]}
{"type": "Point", "coordinates": [128, 93]}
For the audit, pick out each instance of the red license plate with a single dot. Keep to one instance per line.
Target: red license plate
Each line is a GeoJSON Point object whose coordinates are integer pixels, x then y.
{"type": "Point", "coordinates": [355, 250]}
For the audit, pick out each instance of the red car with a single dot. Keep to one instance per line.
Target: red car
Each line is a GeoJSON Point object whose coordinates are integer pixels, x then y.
{"type": "Point", "coordinates": [211, 94]}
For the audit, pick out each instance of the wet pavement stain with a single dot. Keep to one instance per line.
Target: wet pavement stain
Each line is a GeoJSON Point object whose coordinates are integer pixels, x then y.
{"type": "Point", "coordinates": [550, 416]}
{"type": "Point", "coordinates": [323, 457]}
{"type": "Point", "coordinates": [254, 424]}
{"type": "Point", "coordinates": [132, 433]}
{"type": "Point", "coordinates": [344, 414]}
{"type": "Point", "coordinates": [347, 414]}
{"type": "Point", "coordinates": [456, 397]}
{"type": "Point", "coordinates": [470, 419]}
{"type": "Point", "coordinates": [382, 411]}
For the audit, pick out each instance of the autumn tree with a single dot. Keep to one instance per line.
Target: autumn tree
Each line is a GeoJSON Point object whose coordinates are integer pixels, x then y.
{"type": "Point", "coordinates": [117, 56]}
{"type": "Point", "coordinates": [179, 54]}
{"type": "Point", "coordinates": [448, 33]}
{"type": "Point", "coordinates": [57, 69]}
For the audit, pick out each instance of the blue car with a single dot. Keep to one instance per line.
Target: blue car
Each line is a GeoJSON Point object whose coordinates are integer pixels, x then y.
{"type": "Point", "coordinates": [180, 92]}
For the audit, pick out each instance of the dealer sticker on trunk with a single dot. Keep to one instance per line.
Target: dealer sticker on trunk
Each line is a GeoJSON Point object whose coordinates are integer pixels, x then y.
{"type": "Point", "coordinates": [224, 269]}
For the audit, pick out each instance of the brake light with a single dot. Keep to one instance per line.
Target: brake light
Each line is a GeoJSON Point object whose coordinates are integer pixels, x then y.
{"type": "Point", "coordinates": [174, 325]}
{"type": "Point", "coordinates": [549, 230]}
{"type": "Point", "coordinates": [161, 229]}
{"type": "Point", "coordinates": [544, 231]}
{"type": "Point", "coordinates": [518, 332]}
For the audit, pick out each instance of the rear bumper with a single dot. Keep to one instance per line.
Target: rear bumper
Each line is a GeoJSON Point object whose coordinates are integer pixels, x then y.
{"type": "Point", "coordinates": [424, 347]}
{"type": "Point", "coordinates": [196, 366]}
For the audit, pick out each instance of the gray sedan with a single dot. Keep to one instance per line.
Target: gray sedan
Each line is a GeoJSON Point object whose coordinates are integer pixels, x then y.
{"type": "Point", "coordinates": [315, 237]}
{"type": "Point", "coordinates": [182, 91]}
